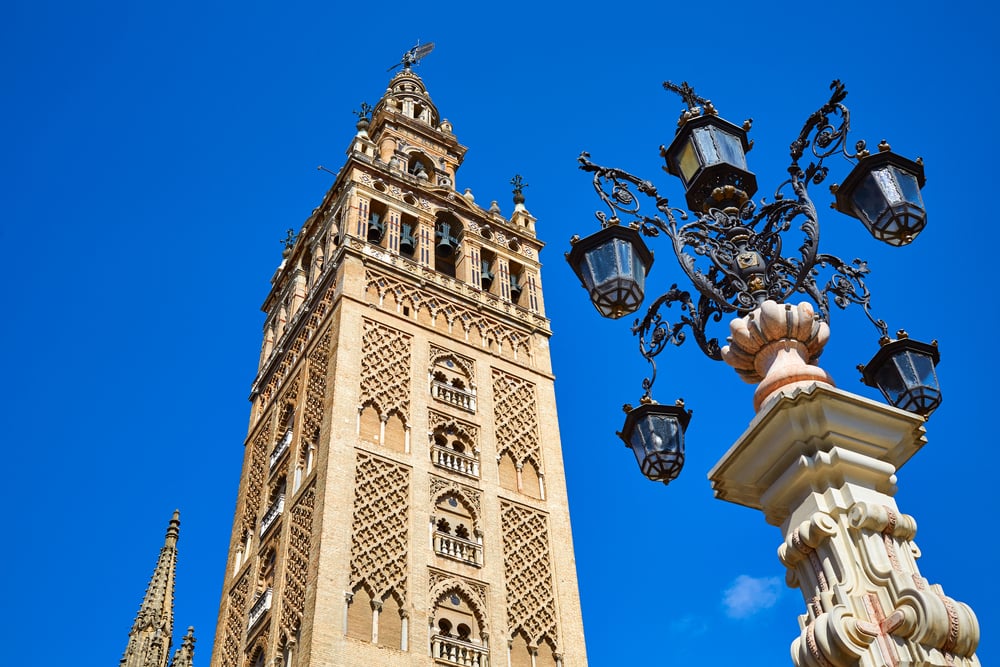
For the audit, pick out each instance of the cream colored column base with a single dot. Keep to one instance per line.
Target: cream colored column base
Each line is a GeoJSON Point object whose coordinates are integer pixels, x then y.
{"type": "Point", "coordinates": [820, 463]}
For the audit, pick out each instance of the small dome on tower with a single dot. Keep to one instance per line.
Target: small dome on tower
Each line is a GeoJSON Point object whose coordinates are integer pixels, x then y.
{"type": "Point", "coordinates": [408, 95]}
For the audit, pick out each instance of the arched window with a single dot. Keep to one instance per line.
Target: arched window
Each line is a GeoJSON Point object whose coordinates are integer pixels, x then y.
{"type": "Point", "coordinates": [420, 166]}
{"type": "Point", "coordinates": [452, 380]}
{"type": "Point", "coordinates": [454, 449]}
{"type": "Point", "coordinates": [457, 630]}
{"type": "Point", "coordinates": [455, 536]}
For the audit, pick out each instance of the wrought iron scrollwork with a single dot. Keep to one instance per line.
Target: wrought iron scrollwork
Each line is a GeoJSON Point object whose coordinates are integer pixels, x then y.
{"type": "Point", "coordinates": [736, 257]}
{"type": "Point", "coordinates": [655, 332]}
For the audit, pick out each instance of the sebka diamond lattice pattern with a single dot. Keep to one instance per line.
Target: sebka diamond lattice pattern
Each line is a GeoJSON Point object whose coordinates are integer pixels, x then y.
{"type": "Point", "coordinates": [528, 574]}
{"type": "Point", "coordinates": [380, 527]}
{"type": "Point", "coordinates": [516, 415]}
{"type": "Point", "coordinates": [385, 370]}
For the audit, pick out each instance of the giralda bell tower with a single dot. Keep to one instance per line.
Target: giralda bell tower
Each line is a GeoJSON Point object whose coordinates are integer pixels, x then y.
{"type": "Point", "coordinates": [402, 500]}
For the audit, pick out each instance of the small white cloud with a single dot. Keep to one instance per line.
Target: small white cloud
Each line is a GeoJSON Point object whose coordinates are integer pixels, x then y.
{"type": "Point", "coordinates": [749, 595]}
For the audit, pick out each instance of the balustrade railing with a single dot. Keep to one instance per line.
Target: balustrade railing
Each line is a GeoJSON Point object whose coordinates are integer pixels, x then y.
{"type": "Point", "coordinates": [452, 651]}
{"type": "Point", "coordinates": [281, 448]}
{"type": "Point", "coordinates": [272, 514]}
{"type": "Point", "coordinates": [457, 461]}
{"type": "Point", "coordinates": [457, 397]}
{"type": "Point", "coordinates": [260, 607]}
{"type": "Point", "coordinates": [458, 548]}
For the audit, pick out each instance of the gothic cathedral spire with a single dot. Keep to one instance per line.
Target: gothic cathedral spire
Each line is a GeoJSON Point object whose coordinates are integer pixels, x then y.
{"type": "Point", "coordinates": [152, 631]}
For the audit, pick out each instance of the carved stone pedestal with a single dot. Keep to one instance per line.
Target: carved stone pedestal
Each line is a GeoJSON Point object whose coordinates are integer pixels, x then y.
{"type": "Point", "coordinates": [820, 463]}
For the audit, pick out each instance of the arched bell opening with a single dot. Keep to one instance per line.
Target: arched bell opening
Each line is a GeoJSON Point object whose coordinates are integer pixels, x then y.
{"type": "Point", "coordinates": [487, 269]}
{"type": "Point", "coordinates": [420, 166]}
{"type": "Point", "coordinates": [408, 231]}
{"type": "Point", "coordinates": [377, 219]}
{"type": "Point", "coordinates": [517, 280]}
{"type": "Point", "coordinates": [448, 232]}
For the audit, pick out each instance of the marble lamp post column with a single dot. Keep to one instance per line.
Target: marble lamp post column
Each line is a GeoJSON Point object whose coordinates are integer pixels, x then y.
{"type": "Point", "coordinates": [820, 463]}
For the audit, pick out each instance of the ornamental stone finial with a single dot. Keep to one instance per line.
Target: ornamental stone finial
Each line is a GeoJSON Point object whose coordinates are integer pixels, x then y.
{"type": "Point", "coordinates": [776, 345]}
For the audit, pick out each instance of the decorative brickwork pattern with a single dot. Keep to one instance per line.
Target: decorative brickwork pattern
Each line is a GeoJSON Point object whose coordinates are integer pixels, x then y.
{"type": "Point", "coordinates": [297, 566]}
{"type": "Point", "coordinates": [516, 416]}
{"type": "Point", "coordinates": [258, 647]}
{"type": "Point", "coordinates": [441, 584]}
{"type": "Point", "coordinates": [531, 601]}
{"type": "Point", "coordinates": [385, 370]}
{"type": "Point", "coordinates": [459, 318]}
{"type": "Point", "coordinates": [289, 356]}
{"type": "Point", "coordinates": [233, 626]}
{"type": "Point", "coordinates": [380, 527]}
{"type": "Point", "coordinates": [256, 477]}
{"type": "Point", "coordinates": [437, 420]}
{"type": "Point", "coordinates": [319, 362]}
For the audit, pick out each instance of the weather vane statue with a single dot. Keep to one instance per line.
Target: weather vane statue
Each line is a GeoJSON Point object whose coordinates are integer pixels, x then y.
{"type": "Point", "coordinates": [413, 56]}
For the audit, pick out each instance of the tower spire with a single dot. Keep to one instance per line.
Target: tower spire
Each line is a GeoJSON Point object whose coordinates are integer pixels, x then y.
{"type": "Point", "coordinates": [150, 637]}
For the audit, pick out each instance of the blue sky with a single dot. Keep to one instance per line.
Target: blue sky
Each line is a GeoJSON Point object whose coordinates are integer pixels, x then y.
{"type": "Point", "coordinates": [154, 154]}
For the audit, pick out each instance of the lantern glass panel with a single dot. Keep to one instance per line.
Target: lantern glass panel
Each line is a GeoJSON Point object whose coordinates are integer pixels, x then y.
{"type": "Point", "coordinates": [688, 162]}
{"type": "Point", "coordinates": [603, 263]}
{"type": "Point", "coordinates": [887, 184]}
{"type": "Point", "coordinates": [909, 186]}
{"type": "Point", "coordinates": [869, 202]}
{"type": "Point", "coordinates": [889, 379]}
{"type": "Point", "coordinates": [731, 149]}
{"type": "Point", "coordinates": [923, 369]}
{"type": "Point", "coordinates": [656, 434]}
{"type": "Point", "coordinates": [706, 145]}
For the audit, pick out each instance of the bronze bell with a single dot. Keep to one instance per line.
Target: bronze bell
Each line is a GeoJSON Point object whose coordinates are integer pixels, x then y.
{"type": "Point", "coordinates": [376, 230]}
{"type": "Point", "coordinates": [515, 289]}
{"type": "Point", "coordinates": [446, 243]}
{"type": "Point", "coordinates": [487, 275]}
{"type": "Point", "coordinates": [407, 245]}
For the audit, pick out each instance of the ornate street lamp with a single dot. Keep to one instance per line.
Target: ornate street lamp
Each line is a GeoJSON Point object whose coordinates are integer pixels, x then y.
{"type": "Point", "coordinates": [819, 462]}
{"type": "Point", "coordinates": [903, 370]}
{"type": "Point", "coordinates": [734, 253]}
{"type": "Point", "coordinates": [655, 434]}
{"type": "Point", "coordinates": [883, 192]}
{"type": "Point", "coordinates": [612, 266]}
{"type": "Point", "coordinates": [708, 154]}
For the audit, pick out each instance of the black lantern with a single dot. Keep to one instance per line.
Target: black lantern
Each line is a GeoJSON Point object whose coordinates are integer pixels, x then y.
{"type": "Point", "coordinates": [709, 156]}
{"type": "Point", "coordinates": [883, 192]}
{"type": "Point", "coordinates": [655, 434]}
{"type": "Point", "coordinates": [903, 370]}
{"type": "Point", "coordinates": [612, 266]}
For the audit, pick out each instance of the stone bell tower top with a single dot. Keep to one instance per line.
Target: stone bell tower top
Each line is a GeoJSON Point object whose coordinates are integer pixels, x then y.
{"type": "Point", "coordinates": [406, 118]}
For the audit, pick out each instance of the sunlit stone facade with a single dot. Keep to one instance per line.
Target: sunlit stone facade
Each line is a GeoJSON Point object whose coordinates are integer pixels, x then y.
{"type": "Point", "coordinates": [402, 494]}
